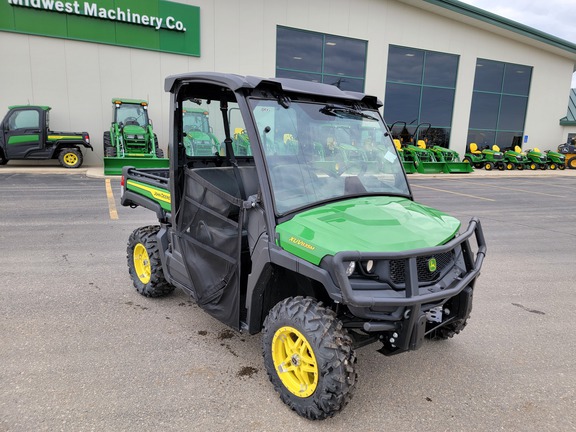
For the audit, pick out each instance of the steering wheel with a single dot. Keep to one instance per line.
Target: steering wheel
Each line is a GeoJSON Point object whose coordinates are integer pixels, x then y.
{"type": "Point", "coordinates": [131, 121]}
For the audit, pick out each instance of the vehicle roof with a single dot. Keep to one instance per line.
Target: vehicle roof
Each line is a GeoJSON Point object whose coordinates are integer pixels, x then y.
{"type": "Point", "coordinates": [44, 107]}
{"type": "Point", "coordinates": [237, 82]}
{"type": "Point", "coordinates": [130, 101]}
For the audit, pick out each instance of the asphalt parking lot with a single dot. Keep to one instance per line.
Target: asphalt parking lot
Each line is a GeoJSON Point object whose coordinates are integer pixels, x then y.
{"type": "Point", "coordinates": [82, 351]}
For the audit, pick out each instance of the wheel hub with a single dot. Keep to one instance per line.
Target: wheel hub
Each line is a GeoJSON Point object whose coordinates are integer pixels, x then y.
{"type": "Point", "coordinates": [295, 362]}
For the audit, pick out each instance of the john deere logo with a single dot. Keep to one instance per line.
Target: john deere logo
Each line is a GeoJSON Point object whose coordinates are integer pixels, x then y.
{"type": "Point", "coordinates": [432, 265]}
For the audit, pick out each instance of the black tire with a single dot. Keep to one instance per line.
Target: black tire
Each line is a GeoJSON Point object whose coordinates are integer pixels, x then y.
{"type": "Point", "coordinates": [572, 163]}
{"type": "Point", "coordinates": [327, 384]}
{"type": "Point", "coordinates": [159, 153]}
{"type": "Point", "coordinates": [107, 140]}
{"type": "Point", "coordinates": [110, 152]}
{"type": "Point", "coordinates": [70, 157]}
{"type": "Point", "coordinates": [3, 160]}
{"type": "Point", "coordinates": [488, 166]}
{"type": "Point", "coordinates": [144, 264]}
{"type": "Point", "coordinates": [467, 160]}
{"type": "Point", "coordinates": [543, 166]}
{"type": "Point", "coordinates": [533, 166]}
{"type": "Point", "coordinates": [447, 331]}
{"type": "Point", "coordinates": [561, 167]}
{"type": "Point", "coordinates": [510, 166]}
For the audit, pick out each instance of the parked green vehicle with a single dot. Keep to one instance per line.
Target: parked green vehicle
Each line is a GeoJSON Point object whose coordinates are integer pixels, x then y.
{"type": "Point", "coordinates": [536, 159]}
{"type": "Point", "coordinates": [198, 137]}
{"type": "Point", "coordinates": [487, 158]}
{"type": "Point", "coordinates": [555, 160]}
{"type": "Point", "coordinates": [131, 139]}
{"type": "Point", "coordinates": [25, 135]}
{"type": "Point", "coordinates": [515, 159]}
{"type": "Point", "coordinates": [320, 256]}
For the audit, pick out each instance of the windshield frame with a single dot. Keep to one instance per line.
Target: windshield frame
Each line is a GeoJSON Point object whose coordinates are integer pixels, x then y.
{"type": "Point", "coordinates": [353, 114]}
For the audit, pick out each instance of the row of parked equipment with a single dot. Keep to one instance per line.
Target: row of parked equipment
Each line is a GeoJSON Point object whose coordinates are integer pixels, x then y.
{"type": "Point", "coordinates": [420, 155]}
{"type": "Point", "coordinates": [511, 159]}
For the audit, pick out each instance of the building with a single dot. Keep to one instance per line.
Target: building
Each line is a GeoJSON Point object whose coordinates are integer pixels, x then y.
{"type": "Point", "coordinates": [474, 76]}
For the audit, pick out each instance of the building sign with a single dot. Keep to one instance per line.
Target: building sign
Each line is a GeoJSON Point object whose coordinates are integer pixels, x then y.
{"type": "Point", "coordinates": [154, 25]}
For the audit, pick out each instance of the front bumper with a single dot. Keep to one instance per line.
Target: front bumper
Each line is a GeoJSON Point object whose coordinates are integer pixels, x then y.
{"type": "Point", "coordinates": [385, 308]}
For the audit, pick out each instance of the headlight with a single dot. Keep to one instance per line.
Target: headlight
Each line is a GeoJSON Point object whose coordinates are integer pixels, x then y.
{"type": "Point", "coordinates": [140, 136]}
{"type": "Point", "coordinates": [350, 268]}
{"type": "Point", "coordinates": [130, 136]}
{"type": "Point", "coordinates": [369, 266]}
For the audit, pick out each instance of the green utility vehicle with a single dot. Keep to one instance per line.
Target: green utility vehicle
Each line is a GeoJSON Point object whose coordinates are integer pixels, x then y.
{"type": "Point", "coordinates": [322, 255]}
{"type": "Point", "coordinates": [25, 135]}
{"type": "Point", "coordinates": [131, 139]}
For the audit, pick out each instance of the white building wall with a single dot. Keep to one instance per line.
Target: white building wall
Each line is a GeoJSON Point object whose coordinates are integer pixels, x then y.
{"type": "Point", "coordinates": [79, 79]}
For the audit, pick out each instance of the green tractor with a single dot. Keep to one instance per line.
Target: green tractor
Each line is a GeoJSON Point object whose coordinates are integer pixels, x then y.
{"type": "Point", "coordinates": [450, 158]}
{"type": "Point", "coordinates": [487, 158]}
{"type": "Point", "coordinates": [414, 150]}
{"type": "Point", "coordinates": [198, 137]}
{"type": "Point", "coordinates": [131, 139]}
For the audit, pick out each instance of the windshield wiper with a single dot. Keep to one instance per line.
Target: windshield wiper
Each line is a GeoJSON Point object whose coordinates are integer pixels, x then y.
{"type": "Point", "coordinates": [345, 112]}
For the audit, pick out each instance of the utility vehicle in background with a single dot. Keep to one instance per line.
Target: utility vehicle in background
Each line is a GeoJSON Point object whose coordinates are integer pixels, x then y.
{"type": "Point", "coordinates": [321, 251]}
{"type": "Point", "coordinates": [25, 135]}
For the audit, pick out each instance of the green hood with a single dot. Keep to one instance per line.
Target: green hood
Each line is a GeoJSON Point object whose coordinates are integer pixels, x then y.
{"type": "Point", "coordinates": [374, 224]}
{"type": "Point", "coordinates": [134, 130]}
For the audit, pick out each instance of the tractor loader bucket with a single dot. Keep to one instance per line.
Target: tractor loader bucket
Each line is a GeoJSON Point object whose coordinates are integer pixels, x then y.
{"type": "Point", "coordinates": [458, 167]}
{"type": "Point", "coordinates": [409, 167]}
{"type": "Point", "coordinates": [431, 167]}
{"type": "Point", "coordinates": [113, 165]}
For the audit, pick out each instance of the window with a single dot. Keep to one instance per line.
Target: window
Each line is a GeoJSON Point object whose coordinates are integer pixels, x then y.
{"type": "Point", "coordinates": [499, 104]}
{"type": "Point", "coordinates": [27, 119]}
{"type": "Point", "coordinates": [319, 57]}
{"type": "Point", "coordinates": [420, 88]}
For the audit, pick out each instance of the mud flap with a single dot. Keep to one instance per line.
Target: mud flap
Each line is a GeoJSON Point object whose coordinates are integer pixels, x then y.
{"type": "Point", "coordinates": [418, 332]}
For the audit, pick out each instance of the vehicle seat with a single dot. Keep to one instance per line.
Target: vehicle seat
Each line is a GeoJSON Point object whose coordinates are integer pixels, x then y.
{"type": "Point", "coordinates": [397, 144]}
{"type": "Point", "coordinates": [495, 148]}
{"type": "Point", "coordinates": [474, 148]}
{"type": "Point", "coordinates": [517, 149]}
{"type": "Point", "coordinates": [536, 149]}
{"type": "Point", "coordinates": [421, 144]}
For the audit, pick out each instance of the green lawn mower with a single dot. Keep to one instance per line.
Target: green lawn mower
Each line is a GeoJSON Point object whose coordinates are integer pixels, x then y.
{"type": "Point", "coordinates": [487, 158]}
{"type": "Point", "coordinates": [555, 160]}
{"type": "Point", "coordinates": [536, 159]}
{"type": "Point", "coordinates": [515, 159]}
{"type": "Point", "coordinates": [131, 140]}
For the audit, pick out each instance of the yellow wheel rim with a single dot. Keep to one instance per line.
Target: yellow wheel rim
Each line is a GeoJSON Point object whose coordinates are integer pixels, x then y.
{"type": "Point", "coordinates": [70, 159]}
{"type": "Point", "coordinates": [295, 362]}
{"type": "Point", "coordinates": [142, 263]}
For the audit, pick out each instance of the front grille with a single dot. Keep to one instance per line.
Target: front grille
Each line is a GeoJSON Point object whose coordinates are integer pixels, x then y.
{"type": "Point", "coordinates": [398, 267]}
{"type": "Point", "coordinates": [498, 156]}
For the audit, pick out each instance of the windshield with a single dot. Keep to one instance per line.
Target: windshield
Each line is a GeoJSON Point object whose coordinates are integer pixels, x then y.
{"type": "Point", "coordinates": [316, 152]}
{"type": "Point", "coordinates": [132, 115]}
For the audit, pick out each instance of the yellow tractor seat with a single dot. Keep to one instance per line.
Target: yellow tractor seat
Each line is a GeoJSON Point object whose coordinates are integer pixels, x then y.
{"type": "Point", "coordinates": [517, 149]}
{"type": "Point", "coordinates": [536, 149]}
{"type": "Point", "coordinates": [495, 148]}
{"type": "Point", "coordinates": [397, 144]}
{"type": "Point", "coordinates": [421, 144]}
{"type": "Point", "coordinates": [474, 148]}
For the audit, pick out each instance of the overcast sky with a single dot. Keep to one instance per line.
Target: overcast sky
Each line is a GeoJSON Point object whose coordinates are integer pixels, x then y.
{"type": "Point", "coordinates": [556, 17]}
